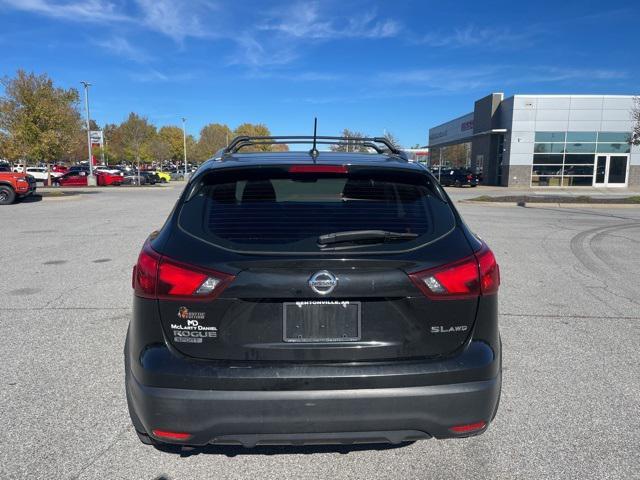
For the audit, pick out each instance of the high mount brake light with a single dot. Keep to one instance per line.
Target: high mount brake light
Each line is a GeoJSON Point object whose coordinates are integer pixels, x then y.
{"type": "Point", "coordinates": [470, 277]}
{"type": "Point", "coordinates": [156, 276]}
{"type": "Point", "coordinates": [318, 169]}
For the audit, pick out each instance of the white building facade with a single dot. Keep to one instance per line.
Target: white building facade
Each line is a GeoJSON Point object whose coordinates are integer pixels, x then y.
{"type": "Point", "coordinates": [548, 140]}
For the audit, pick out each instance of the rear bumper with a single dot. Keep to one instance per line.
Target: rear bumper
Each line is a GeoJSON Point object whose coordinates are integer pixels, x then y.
{"type": "Point", "coordinates": [368, 415]}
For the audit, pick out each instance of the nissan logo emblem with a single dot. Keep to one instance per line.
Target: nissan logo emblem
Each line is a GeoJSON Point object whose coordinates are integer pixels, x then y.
{"type": "Point", "coordinates": [323, 282]}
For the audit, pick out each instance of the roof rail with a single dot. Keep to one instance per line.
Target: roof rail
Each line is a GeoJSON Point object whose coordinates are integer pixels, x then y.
{"type": "Point", "coordinates": [375, 143]}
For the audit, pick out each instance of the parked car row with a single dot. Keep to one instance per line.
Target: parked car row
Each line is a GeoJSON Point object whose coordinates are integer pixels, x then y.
{"type": "Point", "coordinates": [110, 175]}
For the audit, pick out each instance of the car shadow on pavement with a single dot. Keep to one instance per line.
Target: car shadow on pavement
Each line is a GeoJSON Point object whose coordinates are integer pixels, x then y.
{"type": "Point", "coordinates": [233, 451]}
{"type": "Point", "coordinates": [30, 199]}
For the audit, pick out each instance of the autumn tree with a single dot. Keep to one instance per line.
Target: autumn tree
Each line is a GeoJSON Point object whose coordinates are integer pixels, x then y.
{"type": "Point", "coordinates": [38, 121]}
{"type": "Point", "coordinates": [213, 137]}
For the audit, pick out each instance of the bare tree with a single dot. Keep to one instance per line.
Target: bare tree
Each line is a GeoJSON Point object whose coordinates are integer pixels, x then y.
{"type": "Point", "coordinates": [352, 142]}
{"type": "Point", "coordinates": [635, 114]}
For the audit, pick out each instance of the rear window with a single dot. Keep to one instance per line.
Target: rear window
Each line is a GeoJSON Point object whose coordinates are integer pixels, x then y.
{"type": "Point", "coordinates": [276, 211]}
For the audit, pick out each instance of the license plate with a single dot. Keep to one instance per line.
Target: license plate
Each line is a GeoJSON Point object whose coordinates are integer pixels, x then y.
{"type": "Point", "coordinates": [321, 321]}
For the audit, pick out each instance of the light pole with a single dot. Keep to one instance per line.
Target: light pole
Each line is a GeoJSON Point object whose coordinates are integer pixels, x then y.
{"type": "Point", "coordinates": [184, 144]}
{"type": "Point", "coordinates": [91, 179]}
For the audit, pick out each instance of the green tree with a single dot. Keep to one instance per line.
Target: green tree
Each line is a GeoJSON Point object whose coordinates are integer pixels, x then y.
{"type": "Point", "coordinates": [137, 135]}
{"type": "Point", "coordinates": [213, 137]}
{"type": "Point", "coordinates": [38, 121]}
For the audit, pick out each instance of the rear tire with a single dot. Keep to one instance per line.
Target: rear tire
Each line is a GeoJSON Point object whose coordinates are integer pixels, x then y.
{"type": "Point", "coordinates": [7, 195]}
{"type": "Point", "coordinates": [163, 180]}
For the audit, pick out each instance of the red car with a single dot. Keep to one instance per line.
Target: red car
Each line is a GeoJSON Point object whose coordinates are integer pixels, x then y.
{"type": "Point", "coordinates": [59, 169]}
{"type": "Point", "coordinates": [79, 179]}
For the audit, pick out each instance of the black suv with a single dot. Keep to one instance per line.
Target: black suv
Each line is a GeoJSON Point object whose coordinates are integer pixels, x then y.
{"type": "Point", "coordinates": [316, 297]}
{"type": "Point", "coordinates": [457, 177]}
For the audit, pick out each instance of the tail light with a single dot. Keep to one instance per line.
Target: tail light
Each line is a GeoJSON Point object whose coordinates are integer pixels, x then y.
{"type": "Point", "coordinates": [156, 276]}
{"type": "Point", "coordinates": [469, 427]}
{"type": "Point", "coordinates": [470, 277]}
{"type": "Point", "coordinates": [469, 177]}
{"type": "Point", "coordinates": [171, 435]}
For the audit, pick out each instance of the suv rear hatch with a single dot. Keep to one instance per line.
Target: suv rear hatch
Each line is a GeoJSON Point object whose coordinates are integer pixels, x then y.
{"type": "Point", "coordinates": [259, 267]}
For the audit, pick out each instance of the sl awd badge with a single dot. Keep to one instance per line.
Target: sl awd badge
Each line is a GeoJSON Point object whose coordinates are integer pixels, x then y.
{"type": "Point", "coordinates": [323, 282]}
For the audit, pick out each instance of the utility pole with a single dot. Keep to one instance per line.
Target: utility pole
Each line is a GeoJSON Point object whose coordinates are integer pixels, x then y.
{"type": "Point", "coordinates": [184, 143]}
{"type": "Point", "coordinates": [91, 179]}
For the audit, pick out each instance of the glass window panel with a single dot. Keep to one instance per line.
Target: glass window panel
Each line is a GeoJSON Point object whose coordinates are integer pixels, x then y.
{"type": "Point", "coordinates": [547, 170]}
{"type": "Point", "coordinates": [541, 181]}
{"type": "Point", "coordinates": [581, 147]}
{"type": "Point", "coordinates": [550, 137]}
{"type": "Point", "coordinates": [572, 159]}
{"type": "Point", "coordinates": [578, 170]}
{"type": "Point", "coordinates": [542, 159]}
{"type": "Point", "coordinates": [548, 148]}
{"type": "Point", "coordinates": [614, 137]}
{"type": "Point", "coordinates": [617, 169]}
{"type": "Point", "coordinates": [614, 148]}
{"type": "Point", "coordinates": [582, 137]}
{"type": "Point", "coordinates": [577, 181]}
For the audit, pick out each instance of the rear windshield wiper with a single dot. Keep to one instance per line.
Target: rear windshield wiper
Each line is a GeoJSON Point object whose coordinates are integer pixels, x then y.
{"type": "Point", "coordinates": [363, 235]}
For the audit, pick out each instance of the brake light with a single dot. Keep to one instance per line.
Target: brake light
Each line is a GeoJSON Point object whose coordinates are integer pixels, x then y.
{"type": "Point", "coordinates": [171, 435]}
{"type": "Point", "coordinates": [469, 177]}
{"type": "Point", "coordinates": [318, 169]}
{"type": "Point", "coordinates": [471, 277]}
{"type": "Point", "coordinates": [469, 427]}
{"type": "Point", "coordinates": [156, 276]}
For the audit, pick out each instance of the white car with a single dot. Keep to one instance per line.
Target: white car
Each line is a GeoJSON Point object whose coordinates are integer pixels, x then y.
{"type": "Point", "coordinates": [41, 174]}
{"type": "Point", "coordinates": [106, 169]}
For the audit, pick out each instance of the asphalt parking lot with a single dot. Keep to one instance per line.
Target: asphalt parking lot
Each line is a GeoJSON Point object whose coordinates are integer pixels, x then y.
{"type": "Point", "coordinates": [570, 320]}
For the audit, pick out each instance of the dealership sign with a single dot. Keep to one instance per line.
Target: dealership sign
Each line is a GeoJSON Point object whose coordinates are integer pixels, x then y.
{"type": "Point", "coordinates": [459, 129]}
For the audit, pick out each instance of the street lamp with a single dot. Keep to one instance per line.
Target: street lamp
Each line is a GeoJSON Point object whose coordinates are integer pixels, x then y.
{"type": "Point", "coordinates": [184, 144]}
{"type": "Point", "coordinates": [91, 179]}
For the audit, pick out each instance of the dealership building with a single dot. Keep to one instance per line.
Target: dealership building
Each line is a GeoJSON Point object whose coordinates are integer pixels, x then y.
{"type": "Point", "coordinates": [546, 140]}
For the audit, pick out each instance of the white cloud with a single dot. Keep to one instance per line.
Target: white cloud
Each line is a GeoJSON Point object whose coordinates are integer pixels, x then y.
{"type": "Point", "coordinates": [454, 80]}
{"type": "Point", "coordinates": [178, 19]}
{"type": "Point", "coordinates": [253, 53]}
{"type": "Point", "coordinates": [473, 36]}
{"type": "Point", "coordinates": [121, 47]}
{"type": "Point", "coordinates": [304, 20]}
{"type": "Point", "coordinates": [95, 11]}
{"type": "Point", "coordinates": [155, 76]}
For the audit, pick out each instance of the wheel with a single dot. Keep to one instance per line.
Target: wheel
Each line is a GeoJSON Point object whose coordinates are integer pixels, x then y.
{"type": "Point", "coordinates": [163, 180]}
{"type": "Point", "coordinates": [7, 195]}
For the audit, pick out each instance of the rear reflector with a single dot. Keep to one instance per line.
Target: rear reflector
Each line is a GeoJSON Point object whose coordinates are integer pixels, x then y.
{"type": "Point", "coordinates": [156, 276]}
{"type": "Point", "coordinates": [318, 169]}
{"type": "Point", "coordinates": [171, 435]}
{"type": "Point", "coordinates": [469, 427]}
{"type": "Point", "coordinates": [467, 278]}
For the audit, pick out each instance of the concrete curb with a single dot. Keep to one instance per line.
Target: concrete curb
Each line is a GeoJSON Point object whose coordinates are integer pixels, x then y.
{"type": "Point", "coordinates": [552, 205]}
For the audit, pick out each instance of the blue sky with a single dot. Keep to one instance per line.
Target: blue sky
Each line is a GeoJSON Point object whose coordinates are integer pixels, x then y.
{"type": "Point", "coordinates": [369, 66]}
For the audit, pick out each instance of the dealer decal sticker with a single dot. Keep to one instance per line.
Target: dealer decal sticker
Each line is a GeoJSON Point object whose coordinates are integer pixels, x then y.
{"type": "Point", "coordinates": [189, 327]}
